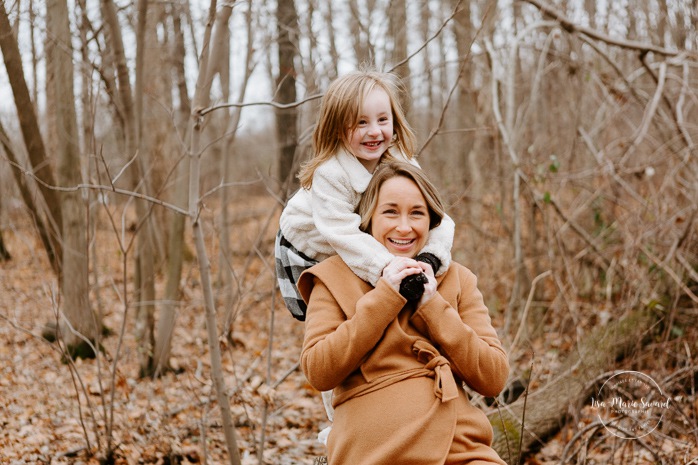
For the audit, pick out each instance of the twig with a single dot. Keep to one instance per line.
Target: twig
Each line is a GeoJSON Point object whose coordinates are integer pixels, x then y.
{"type": "Point", "coordinates": [527, 307]}
{"type": "Point", "coordinates": [288, 373]}
{"type": "Point", "coordinates": [285, 106]}
{"type": "Point", "coordinates": [671, 273]}
{"type": "Point", "coordinates": [98, 187]}
{"type": "Point", "coordinates": [270, 346]}
{"type": "Point", "coordinates": [464, 61]}
{"type": "Point", "coordinates": [455, 11]}
{"type": "Point", "coordinates": [506, 436]}
{"type": "Point", "coordinates": [596, 425]}
{"type": "Point", "coordinates": [269, 103]}
{"type": "Point", "coordinates": [523, 413]}
{"type": "Point", "coordinates": [682, 132]}
{"type": "Point", "coordinates": [648, 114]}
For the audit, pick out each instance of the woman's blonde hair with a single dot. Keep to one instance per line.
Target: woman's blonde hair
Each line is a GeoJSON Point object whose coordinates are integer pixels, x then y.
{"type": "Point", "coordinates": [339, 114]}
{"type": "Point", "coordinates": [392, 169]}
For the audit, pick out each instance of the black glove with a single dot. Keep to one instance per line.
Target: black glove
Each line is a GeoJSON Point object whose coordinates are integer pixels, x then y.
{"type": "Point", "coordinates": [412, 287]}
{"type": "Point", "coordinates": [431, 259]}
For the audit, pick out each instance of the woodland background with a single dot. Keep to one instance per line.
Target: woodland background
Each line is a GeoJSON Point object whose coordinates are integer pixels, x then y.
{"type": "Point", "coordinates": [148, 148]}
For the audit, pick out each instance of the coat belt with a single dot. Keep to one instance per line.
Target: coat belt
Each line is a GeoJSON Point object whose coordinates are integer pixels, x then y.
{"type": "Point", "coordinates": [445, 386]}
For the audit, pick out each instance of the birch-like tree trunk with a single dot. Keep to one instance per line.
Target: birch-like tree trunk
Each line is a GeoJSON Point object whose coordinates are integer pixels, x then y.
{"type": "Point", "coordinates": [63, 129]}
{"type": "Point", "coordinates": [232, 120]}
{"type": "Point", "coordinates": [201, 101]}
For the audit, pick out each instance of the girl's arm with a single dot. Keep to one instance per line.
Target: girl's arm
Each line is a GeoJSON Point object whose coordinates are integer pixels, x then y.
{"type": "Point", "coordinates": [440, 242]}
{"type": "Point", "coordinates": [333, 204]}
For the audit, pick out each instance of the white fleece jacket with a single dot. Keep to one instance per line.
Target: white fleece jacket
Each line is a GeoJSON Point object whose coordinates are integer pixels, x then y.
{"type": "Point", "coordinates": [320, 221]}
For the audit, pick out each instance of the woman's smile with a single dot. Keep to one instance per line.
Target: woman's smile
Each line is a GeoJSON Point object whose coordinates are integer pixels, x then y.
{"type": "Point", "coordinates": [401, 219]}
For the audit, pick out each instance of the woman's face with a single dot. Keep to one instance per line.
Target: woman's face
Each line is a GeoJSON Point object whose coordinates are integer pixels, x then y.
{"type": "Point", "coordinates": [401, 219]}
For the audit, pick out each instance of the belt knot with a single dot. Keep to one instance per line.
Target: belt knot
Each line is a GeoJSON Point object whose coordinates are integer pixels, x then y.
{"type": "Point", "coordinates": [445, 386]}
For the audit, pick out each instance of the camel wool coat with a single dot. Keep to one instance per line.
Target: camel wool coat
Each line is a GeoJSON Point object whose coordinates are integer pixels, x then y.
{"type": "Point", "coordinates": [396, 372]}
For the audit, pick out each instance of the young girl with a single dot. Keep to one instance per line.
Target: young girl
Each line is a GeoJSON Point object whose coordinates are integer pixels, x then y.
{"type": "Point", "coordinates": [361, 124]}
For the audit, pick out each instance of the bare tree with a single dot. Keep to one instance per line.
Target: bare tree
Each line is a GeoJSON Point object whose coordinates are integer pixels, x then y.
{"type": "Point", "coordinates": [83, 323]}
{"type": "Point", "coordinates": [397, 35]}
{"type": "Point", "coordinates": [286, 119]}
{"type": "Point", "coordinates": [207, 67]}
{"type": "Point", "coordinates": [129, 111]}
{"type": "Point", "coordinates": [49, 219]}
{"type": "Point", "coordinates": [175, 254]}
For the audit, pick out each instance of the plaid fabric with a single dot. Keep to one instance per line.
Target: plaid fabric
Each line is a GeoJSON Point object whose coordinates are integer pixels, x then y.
{"type": "Point", "coordinates": [290, 263]}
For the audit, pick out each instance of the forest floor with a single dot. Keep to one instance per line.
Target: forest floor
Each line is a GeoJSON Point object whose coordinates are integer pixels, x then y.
{"type": "Point", "coordinates": [58, 413]}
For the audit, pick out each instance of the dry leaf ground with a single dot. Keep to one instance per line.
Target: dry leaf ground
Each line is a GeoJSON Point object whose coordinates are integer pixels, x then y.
{"type": "Point", "coordinates": [51, 412]}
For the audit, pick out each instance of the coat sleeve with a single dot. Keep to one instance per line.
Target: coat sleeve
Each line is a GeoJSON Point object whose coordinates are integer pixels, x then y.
{"type": "Point", "coordinates": [466, 336]}
{"type": "Point", "coordinates": [334, 217]}
{"type": "Point", "coordinates": [334, 345]}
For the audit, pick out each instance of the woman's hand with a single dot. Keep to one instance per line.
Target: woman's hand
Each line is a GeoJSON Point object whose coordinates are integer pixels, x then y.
{"type": "Point", "coordinates": [401, 267]}
{"type": "Point", "coordinates": [429, 287]}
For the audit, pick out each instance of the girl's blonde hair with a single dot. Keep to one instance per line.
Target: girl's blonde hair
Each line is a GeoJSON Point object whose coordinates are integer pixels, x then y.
{"type": "Point", "coordinates": [393, 169]}
{"type": "Point", "coordinates": [339, 114]}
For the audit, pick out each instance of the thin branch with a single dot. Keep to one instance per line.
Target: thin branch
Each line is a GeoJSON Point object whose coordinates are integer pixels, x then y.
{"type": "Point", "coordinates": [464, 61]}
{"type": "Point", "coordinates": [671, 273]}
{"type": "Point", "coordinates": [534, 283]}
{"type": "Point", "coordinates": [648, 116]}
{"type": "Point", "coordinates": [570, 26]}
{"type": "Point", "coordinates": [281, 106]}
{"type": "Point", "coordinates": [285, 106]}
{"type": "Point", "coordinates": [99, 187]}
{"type": "Point", "coordinates": [436, 34]}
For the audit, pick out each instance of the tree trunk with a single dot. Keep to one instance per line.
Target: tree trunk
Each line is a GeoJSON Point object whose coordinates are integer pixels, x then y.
{"type": "Point", "coordinates": [4, 253]}
{"type": "Point", "coordinates": [145, 314]}
{"type": "Point", "coordinates": [466, 110]}
{"type": "Point", "coordinates": [359, 34]}
{"type": "Point", "coordinates": [286, 119]}
{"type": "Point", "coordinates": [145, 285]}
{"type": "Point", "coordinates": [233, 123]}
{"type": "Point", "coordinates": [34, 143]}
{"type": "Point", "coordinates": [547, 407]}
{"type": "Point", "coordinates": [168, 314]}
{"type": "Point", "coordinates": [201, 101]}
{"type": "Point", "coordinates": [397, 31]}
{"type": "Point", "coordinates": [334, 54]}
{"type": "Point", "coordinates": [64, 129]}
{"type": "Point", "coordinates": [25, 191]}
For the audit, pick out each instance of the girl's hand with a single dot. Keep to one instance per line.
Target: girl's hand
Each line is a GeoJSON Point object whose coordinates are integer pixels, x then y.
{"type": "Point", "coordinates": [399, 268]}
{"type": "Point", "coordinates": [430, 287]}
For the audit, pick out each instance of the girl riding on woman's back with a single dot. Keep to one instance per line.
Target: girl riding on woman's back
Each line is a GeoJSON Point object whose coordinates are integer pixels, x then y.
{"type": "Point", "coordinates": [361, 124]}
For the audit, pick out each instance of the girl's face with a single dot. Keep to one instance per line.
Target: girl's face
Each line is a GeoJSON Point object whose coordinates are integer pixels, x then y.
{"type": "Point", "coordinates": [374, 133]}
{"type": "Point", "coordinates": [401, 219]}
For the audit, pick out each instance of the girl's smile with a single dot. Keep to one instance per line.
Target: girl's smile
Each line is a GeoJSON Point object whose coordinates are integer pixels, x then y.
{"type": "Point", "coordinates": [374, 131]}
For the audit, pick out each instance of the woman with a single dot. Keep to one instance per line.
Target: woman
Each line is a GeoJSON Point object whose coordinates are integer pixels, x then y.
{"type": "Point", "coordinates": [396, 367]}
